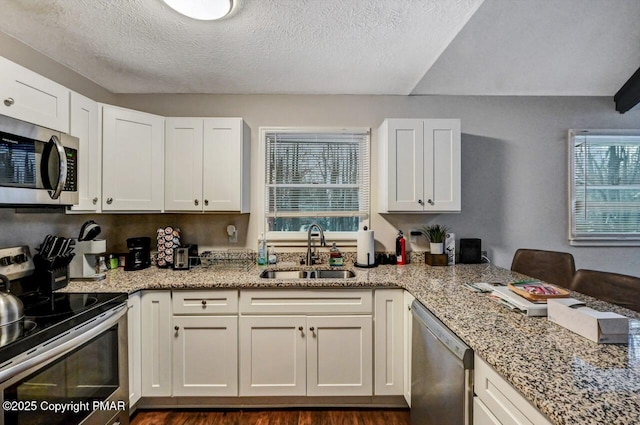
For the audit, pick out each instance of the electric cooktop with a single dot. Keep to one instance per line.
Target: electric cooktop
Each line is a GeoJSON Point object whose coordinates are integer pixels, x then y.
{"type": "Point", "coordinates": [47, 316]}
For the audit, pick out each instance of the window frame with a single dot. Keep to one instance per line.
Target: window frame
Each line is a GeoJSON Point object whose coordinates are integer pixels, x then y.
{"type": "Point", "coordinates": [577, 238]}
{"type": "Point", "coordinates": [294, 239]}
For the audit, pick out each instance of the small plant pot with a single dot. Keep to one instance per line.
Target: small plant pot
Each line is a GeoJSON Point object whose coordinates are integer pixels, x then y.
{"type": "Point", "coordinates": [437, 248]}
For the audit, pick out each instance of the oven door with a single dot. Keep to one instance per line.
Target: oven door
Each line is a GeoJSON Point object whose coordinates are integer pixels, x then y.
{"type": "Point", "coordinates": [81, 377]}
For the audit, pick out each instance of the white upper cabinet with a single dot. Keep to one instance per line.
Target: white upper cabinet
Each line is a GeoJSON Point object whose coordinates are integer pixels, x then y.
{"type": "Point", "coordinates": [420, 165]}
{"type": "Point", "coordinates": [31, 97]}
{"type": "Point", "coordinates": [207, 165]}
{"type": "Point", "coordinates": [85, 126]}
{"type": "Point", "coordinates": [132, 160]}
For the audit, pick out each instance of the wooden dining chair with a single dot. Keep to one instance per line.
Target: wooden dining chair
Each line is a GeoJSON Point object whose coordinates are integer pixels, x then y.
{"type": "Point", "coordinates": [614, 288]}
{"type": "Point", "coordinates": [553, 267]}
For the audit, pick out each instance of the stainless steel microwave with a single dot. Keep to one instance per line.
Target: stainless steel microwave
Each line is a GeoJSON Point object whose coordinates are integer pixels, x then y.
{"type": "Point", "coordinates": [38, 166]}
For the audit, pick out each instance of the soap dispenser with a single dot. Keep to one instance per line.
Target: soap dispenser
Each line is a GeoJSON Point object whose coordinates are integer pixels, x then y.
{"type": "Point", "coordinates": [335, 256]}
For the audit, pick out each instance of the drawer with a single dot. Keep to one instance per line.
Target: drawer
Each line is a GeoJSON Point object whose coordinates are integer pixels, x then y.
{"type": "Point", "coordinates": [306, 301]}
{"type": "Point", "coordinates": [504, 402]}
{"type": "Point", "coordinates": [203, 302]}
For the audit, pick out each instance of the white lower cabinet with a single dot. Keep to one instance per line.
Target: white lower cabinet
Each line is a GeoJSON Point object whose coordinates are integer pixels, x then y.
{"type": "Point", "coordinates": [305, 355]}
{"type": "Point", "coordinates": [482, 415]}
{"type": "Point", "coordinates": [135, 356]}
{"type": "Point", "coordinates": [314, 343]}
{"type": "Point", "coordinates": [273, 355]}
{"type": "Point", "coordinates": [205, 356]}
{"type": "Point", "coordinates": [389, 341]}
{"type": "Point", "coordinates": [497, 402]}
{"type": "Point", "coordinates": [156, 340]}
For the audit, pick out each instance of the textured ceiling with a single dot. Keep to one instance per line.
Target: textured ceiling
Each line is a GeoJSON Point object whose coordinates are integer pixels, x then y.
{"type": "Point", "coordinates": [477, 47]}
{"type": "Point", "coordinates": [541, 47]}
{"type": "Point", "coordinates": [264, 46]}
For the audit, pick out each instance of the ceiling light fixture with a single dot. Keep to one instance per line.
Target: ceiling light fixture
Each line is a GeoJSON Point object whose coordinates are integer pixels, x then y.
{"type": "Point", "coordinates": [204, 10]}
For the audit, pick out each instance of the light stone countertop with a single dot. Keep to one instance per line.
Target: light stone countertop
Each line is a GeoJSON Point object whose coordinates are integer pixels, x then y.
{"type": "Point", "coordinates": [569, 378]}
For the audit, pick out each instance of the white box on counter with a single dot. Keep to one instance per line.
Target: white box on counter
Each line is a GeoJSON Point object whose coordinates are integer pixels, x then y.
{"type": "Point", "coordinates": [602, 327]}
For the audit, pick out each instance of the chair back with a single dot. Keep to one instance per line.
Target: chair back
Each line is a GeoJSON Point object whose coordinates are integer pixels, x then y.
{"type": "Point", "coordinates": [614, 288]}
{"type": "Point", "coordinates": [553, 267]}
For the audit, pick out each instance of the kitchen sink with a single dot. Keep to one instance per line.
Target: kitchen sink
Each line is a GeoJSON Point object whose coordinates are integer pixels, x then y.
{"type": "Point", "coordinates": [307, 274]}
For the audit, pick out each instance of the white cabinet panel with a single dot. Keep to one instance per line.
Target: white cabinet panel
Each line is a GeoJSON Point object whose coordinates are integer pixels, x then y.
{"type": "Point", "coordinates": [205, 356]}
{"type": "Point", "coordinates": [420, 166]}
{"type": "Point", "coordinates": [339, 356]}
{"type": "Point", "coordinates": [306, 301]}
{"type": "Point", "coordinates": [504, 402]}
{"type": "Point", "coordinates": [134, 347]}
{"type": "Point", "coordinates": [408, 327]}
{"type": "Point", "coordinates": [132, 160]}
{"type": "Point", "coordinates": [30, 97]}
{"type": "Point", "coordinates": [156, 343]}
{"type": "Point", "coordinates": [207, 165]}
{"type": "Point", "coordinates": [85, 126]}
{"type": "Point", "coordinates": [389, 341]}
{"type": "Point", "coordinates": [183, 169]}
{"type": "Point", "coordinates": [205, 302]}
{"type": "Point", "coordinates": [482, 415]}
{"type": "Point", "coordinates": [272, 355]}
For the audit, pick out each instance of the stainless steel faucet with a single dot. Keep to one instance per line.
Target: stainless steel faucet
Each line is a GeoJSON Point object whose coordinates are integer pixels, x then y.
{"type": "Point", "coordinates": [314, 256]}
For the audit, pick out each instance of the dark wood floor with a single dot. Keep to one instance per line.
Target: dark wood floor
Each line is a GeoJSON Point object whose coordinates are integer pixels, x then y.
{"type": "Point", "coordinates": [273, 417]}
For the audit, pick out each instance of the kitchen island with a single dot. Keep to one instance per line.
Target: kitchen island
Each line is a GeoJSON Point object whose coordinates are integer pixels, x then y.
{"type": "Point", "coordinates": [567, 377]}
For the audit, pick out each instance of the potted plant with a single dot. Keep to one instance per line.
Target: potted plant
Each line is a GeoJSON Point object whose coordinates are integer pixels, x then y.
{"type": "Point", "coordinates": [436, 234]}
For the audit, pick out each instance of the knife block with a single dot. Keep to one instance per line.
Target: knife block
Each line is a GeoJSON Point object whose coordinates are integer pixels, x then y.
{"type": "Point", "coordinates": [83, 265]}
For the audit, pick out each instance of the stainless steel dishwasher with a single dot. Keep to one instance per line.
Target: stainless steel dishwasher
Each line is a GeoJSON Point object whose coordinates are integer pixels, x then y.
{"type": "Point", "coordinates": [441, 373]}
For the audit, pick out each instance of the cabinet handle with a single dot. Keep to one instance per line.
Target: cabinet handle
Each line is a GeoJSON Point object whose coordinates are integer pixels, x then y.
{"type": "Point", "coordinates": [206, 202]}
{"type": "Point", "coordinates": [204, 303]}
{"type": "Point", "coordinates": [430, 202]}
{"type": "Point", "coordinates": [9, 101]}
{"type": "Point", "coordinates": [409, 307]}
{"type": "Point", "coordinates": [300, 328]}
{"type": "Point", "coordinates": [313, 331]}
{"type": "Point", "coordinates": [109, 201]}
{"type": "Point", "coordinates": [95, 201]}
{"type": "Point", "coordinates": [421, 202]}
{"type": "Point", "coordinates": [177, 329]}
{"type": "Point", "coordinates": [196, 202]}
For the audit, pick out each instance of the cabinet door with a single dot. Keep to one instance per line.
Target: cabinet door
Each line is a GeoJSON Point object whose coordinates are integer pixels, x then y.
{"type": "Point", "coordinates": [273, 355]}
{"type": "Point", "coordinates": [482, 415]}
{"type": "Point", "coordinates": [84, 126]}
{"type": "Point", "coordinates": [408, 326]}
{"type": "Point", "coordinates": [442, 165]}
{"type": "Point", "coordinates": [156, 343]}
{"type": "Point", "coordinates": [225, 170]}
{"type": "Point", "coordinates": [339, 356]}
{"type": "Point", "coordinates": [134, 342]}
{"type": "Point", "coordinates": [132, 160]}
{"type": "Point", "coordinates": [404, 140]}
{"type": "Point", "coordinates": [389, 346]}
{"type": "Point", "coordinates": [205, 356]}
{"type": "Point", "coordinates": [30, 97]}
{"type": "Point", "coordinates": [183, 164]}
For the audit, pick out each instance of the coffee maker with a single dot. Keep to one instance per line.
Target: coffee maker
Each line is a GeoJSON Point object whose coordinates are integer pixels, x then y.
{"type": "Point", "coordinates": [139, 256]}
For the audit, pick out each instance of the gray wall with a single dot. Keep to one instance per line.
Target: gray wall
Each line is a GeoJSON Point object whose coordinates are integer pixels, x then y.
{"type": "Point", "coordinates": [514, 164]}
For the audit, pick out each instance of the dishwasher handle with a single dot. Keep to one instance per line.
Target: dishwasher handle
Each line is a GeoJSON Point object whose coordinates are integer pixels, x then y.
{"type": "Point", "coordinates": [449, 339]}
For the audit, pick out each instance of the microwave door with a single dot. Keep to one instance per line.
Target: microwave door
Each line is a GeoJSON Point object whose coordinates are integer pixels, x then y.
{"type": "Point", "coordinates": [53, 167]}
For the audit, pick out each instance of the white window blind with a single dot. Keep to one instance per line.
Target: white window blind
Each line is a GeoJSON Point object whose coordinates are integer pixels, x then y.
{"type": "Point", "coordinates": [604, 187]}
{"type": "Point", "coordinates": [316, 176]}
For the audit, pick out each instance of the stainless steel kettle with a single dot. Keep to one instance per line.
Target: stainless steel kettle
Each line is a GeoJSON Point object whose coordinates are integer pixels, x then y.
{"type": "Point", "coordinates": [11, 308]}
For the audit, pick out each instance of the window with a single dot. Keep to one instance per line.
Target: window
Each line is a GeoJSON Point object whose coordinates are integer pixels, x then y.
{"type": "Point", "coordinates": [604, 187]}
{"type": "Point", "coordinates": [315, 176]}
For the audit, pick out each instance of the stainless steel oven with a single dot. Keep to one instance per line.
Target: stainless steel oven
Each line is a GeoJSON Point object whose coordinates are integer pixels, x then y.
{"type": "Point", "coordinates": [38, 166]}
{"type": "Point", "coordinates": [77, 377]}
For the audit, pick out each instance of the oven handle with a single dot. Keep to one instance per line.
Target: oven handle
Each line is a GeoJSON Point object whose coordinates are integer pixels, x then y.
{"type": "Point", "coordinates": [65, 345]}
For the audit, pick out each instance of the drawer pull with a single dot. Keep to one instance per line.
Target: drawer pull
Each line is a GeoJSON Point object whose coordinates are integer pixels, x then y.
{"type": "Point", "coordinates": [9, 101]}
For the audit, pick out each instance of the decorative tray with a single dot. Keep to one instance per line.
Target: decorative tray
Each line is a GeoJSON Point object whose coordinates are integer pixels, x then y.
{"type": "Point", "coordinates": [537, 291]}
